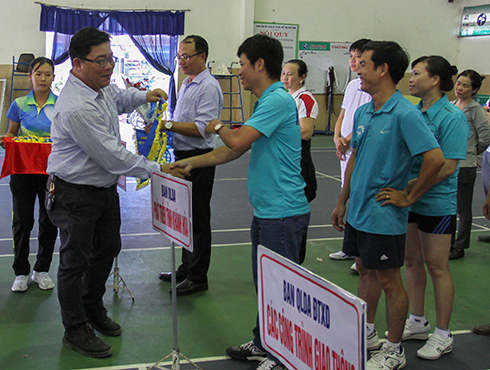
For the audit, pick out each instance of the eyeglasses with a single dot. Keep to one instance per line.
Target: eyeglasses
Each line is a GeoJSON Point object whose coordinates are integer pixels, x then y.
{"type": "Point", "coordinates": [187, 57]}
{"type": "Point", "coordinates": [101, 62]}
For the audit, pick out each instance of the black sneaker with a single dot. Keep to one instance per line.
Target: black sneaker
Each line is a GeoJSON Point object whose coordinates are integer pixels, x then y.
{"type": "Point", "coordinates": [455, 253]}
{"type": "Point", "coordinates": [98, 319]}
{"type": "Point", "coordinates": [484, 238]}
{"type": "Point", "coordinates": [246, 352]}
{"type": "Point", "coordinates": [84, 341]}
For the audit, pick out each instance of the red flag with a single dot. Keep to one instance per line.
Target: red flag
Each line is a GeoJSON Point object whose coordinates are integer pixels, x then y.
{"type": "Point", "coordinates": [25, 157]}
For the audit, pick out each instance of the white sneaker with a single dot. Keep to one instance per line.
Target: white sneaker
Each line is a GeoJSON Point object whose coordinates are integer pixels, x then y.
{"type": "Point", "coordinates": [267, 364]}
{"type": "Point", "coordinates": [20, 283]}
{"type": "Point", "coordinates": [353, 268]}
{"type": "Point", "coordinates": [372, 341]}
{"type": "Point", "coordinates": [412, 331]}
{"type": "Point", "coordinates": [387, 358]}
{"type": "Point", "coordinates": [43, 280]}
{"type": "Point", "coordinates": [340, 256]}
{"type": "Point", "coordinates": [435, 347]}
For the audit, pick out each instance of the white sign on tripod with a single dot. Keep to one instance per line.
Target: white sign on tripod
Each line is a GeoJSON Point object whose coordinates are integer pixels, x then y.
{"type": "Point", "coordinates": [171, 204]}
{"type": "Point", "coordinates": [306, 321]}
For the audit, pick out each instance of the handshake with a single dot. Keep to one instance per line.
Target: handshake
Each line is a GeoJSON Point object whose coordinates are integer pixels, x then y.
{"type": "Point", "coordinates": [180, 169]}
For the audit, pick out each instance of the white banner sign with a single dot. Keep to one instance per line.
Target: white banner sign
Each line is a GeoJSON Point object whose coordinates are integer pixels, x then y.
{"type": "Point", "coordinates": [306, 321]}
{"type": "Point", "coordinates": [286, 33]}
{"type": "Point", "coordinates": [320, 57]}
{"type": "Point", "coordinates": [171, 201]}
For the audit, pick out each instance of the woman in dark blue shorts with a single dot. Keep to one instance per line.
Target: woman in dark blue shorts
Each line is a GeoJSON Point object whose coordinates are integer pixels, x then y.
{"type": "Point", "coordinates": [432, 219]}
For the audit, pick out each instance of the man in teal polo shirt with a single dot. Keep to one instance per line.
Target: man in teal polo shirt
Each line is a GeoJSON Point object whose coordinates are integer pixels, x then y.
{"type": "Point", "coordinates": [275, 185]}
{"type": "Point", "coordinates": [388, 132]}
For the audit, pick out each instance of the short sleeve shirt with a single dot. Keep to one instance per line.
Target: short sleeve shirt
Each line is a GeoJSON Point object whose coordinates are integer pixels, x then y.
{"type": "Point", "coordinates": [449, 126]}
{"type": "Point", "coordinates": [354, 97]}
{"type": "Point", "coordinates": [306, 103]}
{"type": "Point", "coordinates": [386, 142]}
{"type": "Point", "coordinates": [274, 180]}
{"type": "Point", "coordinates": [33, 119]}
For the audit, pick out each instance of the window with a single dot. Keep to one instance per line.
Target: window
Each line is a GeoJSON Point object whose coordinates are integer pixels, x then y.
{"type": "Point", "coordinates": [131, 65]}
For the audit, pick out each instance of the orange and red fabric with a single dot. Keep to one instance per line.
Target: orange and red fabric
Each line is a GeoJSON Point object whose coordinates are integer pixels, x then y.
{"type": "Point", "coordinates": [25, 156]}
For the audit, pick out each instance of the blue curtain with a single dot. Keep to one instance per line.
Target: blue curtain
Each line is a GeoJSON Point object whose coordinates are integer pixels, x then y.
{"type": "Point", "coordinates": [61, 44]}
{"type": "Point", "coordinates": [69, 21]}
{"type": "Point", "coordinates": [160, 51]}
{"type": "Point", "coordinates": [154, 33]}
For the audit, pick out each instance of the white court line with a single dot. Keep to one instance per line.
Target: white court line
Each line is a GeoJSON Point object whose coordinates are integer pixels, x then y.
{"type": "Point", "coordinates": [160, 248]}
{"type": "Point", "coordinates": [213, 245]}
{"type": "Point", "coordinates": [214, 231]}
{"type": "Point", "coordinates": [336, 178]}
{"type": "Point", "coordinates": [319, 150]}
{"type": "Point", "coordinates": [168, 247]}
{"type": "Point", "coordinates": [223, 230]}
{"type": "Point", "coordinates": [246, 229]}
{"type": "Point", "coordinates": [482, 228]}
{"type": "Point", "coordinates": [232, 179]}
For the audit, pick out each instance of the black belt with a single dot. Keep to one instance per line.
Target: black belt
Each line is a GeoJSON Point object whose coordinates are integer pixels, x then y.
{"type": "Point", "coordinates": [79, 186]}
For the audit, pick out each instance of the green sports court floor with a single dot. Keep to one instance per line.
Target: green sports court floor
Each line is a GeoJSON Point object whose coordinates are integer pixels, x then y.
{"type": "Point", "coordinates": [208, 322]}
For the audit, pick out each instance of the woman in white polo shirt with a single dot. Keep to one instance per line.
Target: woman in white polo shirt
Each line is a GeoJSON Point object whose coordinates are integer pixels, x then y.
{"type": "Point", "coordinates": [293, 76]}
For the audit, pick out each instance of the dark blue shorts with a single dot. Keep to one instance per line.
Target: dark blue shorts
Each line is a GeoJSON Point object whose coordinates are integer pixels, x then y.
{"type": "Point", "coordinates": [377, 252]}
{"type": "Point", "coordinates": [433, 224]}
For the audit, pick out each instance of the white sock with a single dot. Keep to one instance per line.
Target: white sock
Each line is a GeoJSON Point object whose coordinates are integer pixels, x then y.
{"type": "Point", "coordinates": [396, 346]}
{"type": "Point", "coordinates": [442, 333]}
{"type": "Point", "coordinates": [418, 320]}
{"type": "Point", "coordinates": [369, 327]}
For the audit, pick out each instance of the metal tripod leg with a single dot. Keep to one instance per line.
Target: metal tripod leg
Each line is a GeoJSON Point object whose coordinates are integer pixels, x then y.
{"type": "Point", "coordinates": [118, 281]}
{"type": "Point", "coordinates": [176, 355]}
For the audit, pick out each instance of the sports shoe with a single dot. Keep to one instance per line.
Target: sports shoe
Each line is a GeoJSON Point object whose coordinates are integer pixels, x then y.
{"type": "Point", "coordinates": [484, 238]}
{"type": "Point", "coordinates": [435, 347]}
{"type": "Point", "coordinates": [340, 256]}
{"type": "Point", "coordinates": [353, 268]}
{"type": "Point", "coordinates": [43, 280]}
{"type": "Point", "coordinates": [267, 364]}
{"type": "Point", "coordinates": [20, 283]}
{"type": "Point", "coordinates": [387, 358]}
{"type": "Point", "coordinates": [455, 253]}
{"type": "Point", "coordinates": [412, 331]}
{"type": "Point", "coordinates": [372, 341]}
{"type": "Point", "coordinates": [246, 352]}
{"type": "Point", "coordinates": [98, 319]}
{"type": "Point", "coordinates": [481, 329]}
{"type": "Point", "coordinates": [84, 341]}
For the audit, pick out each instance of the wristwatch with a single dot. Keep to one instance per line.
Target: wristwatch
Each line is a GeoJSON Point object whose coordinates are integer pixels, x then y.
{"type": "Point", "coordinates": [218, 127]}
{"type": "Point", "coordinates": [169, 125]}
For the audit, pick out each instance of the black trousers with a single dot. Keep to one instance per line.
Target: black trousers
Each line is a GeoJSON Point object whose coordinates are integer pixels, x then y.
{"type": "Point", "coordinates": [466, 185]}
{"type": "Point", "coordinates": [196, 264]}
{"type": "Point", "coordinates": [89, 220]}
{"type": "Point", "coordinates": [309, 175]}
{"type": "Point", "coordinates": [25, 189]}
